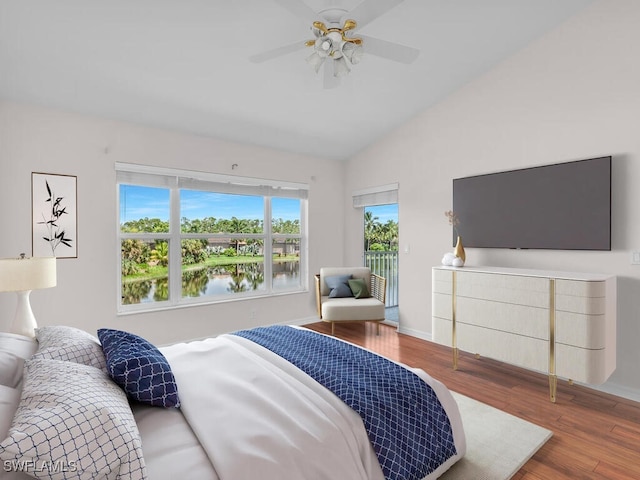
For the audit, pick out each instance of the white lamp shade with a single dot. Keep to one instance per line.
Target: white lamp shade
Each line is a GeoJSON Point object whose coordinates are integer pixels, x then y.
{"type": "Point", "coordinates": [22, 274]}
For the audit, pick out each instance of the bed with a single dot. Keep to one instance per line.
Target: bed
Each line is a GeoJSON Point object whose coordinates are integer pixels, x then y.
{"type": "Point", "coordinates": [268, 403]}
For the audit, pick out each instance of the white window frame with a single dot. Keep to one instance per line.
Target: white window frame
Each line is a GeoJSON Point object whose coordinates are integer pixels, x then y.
{"type": "Point", "coordinates": [174, 180]}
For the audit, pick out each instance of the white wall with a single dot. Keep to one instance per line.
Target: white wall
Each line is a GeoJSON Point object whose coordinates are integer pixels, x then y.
{"type": "Point", "coordinates": [574, 94]}
{"type": "Point", "coordinates": [34, 139]}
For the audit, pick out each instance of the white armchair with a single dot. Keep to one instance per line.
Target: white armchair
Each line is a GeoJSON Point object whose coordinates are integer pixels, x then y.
{"type": "Point", "coordinates": [341, 298]}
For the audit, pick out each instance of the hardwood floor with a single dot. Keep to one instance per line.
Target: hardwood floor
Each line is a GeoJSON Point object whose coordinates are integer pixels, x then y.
{"type": "Point", "coordinates": [595, 435]}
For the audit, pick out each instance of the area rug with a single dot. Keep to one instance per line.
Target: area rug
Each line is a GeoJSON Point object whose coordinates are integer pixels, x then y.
{"type": "Point", "coordinates": [498, 444]}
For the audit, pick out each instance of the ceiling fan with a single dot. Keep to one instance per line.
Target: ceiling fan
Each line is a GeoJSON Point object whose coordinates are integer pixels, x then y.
{"type": "Point", "coordinates": [334, 47]}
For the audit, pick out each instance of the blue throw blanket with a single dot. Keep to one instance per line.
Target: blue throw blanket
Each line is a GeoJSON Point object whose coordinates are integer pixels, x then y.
{"type": "Point", "coordinates": [407, 426]}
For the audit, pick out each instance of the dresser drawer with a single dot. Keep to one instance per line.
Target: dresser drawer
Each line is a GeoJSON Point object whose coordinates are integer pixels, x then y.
{"type": "Point", "coordinates": [529, 291]}
{"type": "Point", "coordinates": [576, 288]}
{"type": "Point", "coordinates": [511, 348]}
{"type": "Point", "coordinates": [583, 331]}
{"type": "Point", "coordinates": [504, 317]}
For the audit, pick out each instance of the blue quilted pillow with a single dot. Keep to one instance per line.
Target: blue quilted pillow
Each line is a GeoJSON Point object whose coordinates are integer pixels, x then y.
{"type": "Point", "coordinates": [338, 286]}
{"type": "Point", "coordinates": [139, 368]}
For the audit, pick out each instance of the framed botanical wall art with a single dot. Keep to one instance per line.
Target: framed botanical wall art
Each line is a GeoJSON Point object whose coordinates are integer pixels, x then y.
{"type": "Point", "coordinates": [54, 215]}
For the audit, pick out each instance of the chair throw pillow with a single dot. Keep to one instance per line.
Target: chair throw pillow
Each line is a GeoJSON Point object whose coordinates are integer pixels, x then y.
{"type": "Point", "coordinates": [338, 286]}
{"type": "Point", "coordinates": [359, 288]}
{"type": "Point", "coordinates": [139, 368]}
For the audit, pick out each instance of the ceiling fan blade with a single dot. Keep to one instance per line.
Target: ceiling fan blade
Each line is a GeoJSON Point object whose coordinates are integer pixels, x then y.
{"type": "Point", "coordinates": [369, 10]}
{"type": "Point", "coordinates": [330, 80]}
{"type": "Point", "coordinates": [389, 50]}
{"type": "Point", "coordinates": [277, 52]}
{"type": "Point", "coordinates": [299, 9]}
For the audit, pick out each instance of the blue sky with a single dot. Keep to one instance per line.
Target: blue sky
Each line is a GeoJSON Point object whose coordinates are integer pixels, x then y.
{"type": "Point", "coordinates": [384, 212]}
{"type": "Point", "coordinates": [138, 202]}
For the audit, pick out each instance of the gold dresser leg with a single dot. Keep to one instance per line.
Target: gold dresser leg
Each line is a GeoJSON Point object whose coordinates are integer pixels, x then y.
{"type": "Point", "coordinates": [553, 387]}
{"type": "Point", "coordinates": [454, 341]}
{"type": "Point", "coordinates": [553, 379]}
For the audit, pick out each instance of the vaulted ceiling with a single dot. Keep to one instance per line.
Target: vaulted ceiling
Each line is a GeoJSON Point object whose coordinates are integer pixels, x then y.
{"type": "Point", "coordinates": [184, 64]}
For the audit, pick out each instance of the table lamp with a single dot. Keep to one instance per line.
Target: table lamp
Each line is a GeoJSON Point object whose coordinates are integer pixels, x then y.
{"type": "Point", "coordinates": [21, 275]}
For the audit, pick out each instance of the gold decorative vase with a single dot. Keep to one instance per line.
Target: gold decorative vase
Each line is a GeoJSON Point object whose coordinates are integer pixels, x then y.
{"type": "Point", "coordinates": [459, 250]}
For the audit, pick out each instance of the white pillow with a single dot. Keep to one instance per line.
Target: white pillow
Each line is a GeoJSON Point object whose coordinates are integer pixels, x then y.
{"type": "Point", "coordinates": [70, 344]}
{"type": "Point", "coordinates": [73, 423]}
{"type": "Point", "coordinates": [21, 347]}
{"type": "Point", "coordinates": [11, 368]}
{"type": "Point", "coordinates": [9, 399]}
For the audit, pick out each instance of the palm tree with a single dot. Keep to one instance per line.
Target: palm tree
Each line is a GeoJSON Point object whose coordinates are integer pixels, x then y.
{"type": "Point", "coordinates": [370, 226]}
{"type": "Point", "coordinates": [238, 225]}
{"type": "Point", "coordinates": [161, 253]}
{"type": "Point", "coordinates": [390, 234]}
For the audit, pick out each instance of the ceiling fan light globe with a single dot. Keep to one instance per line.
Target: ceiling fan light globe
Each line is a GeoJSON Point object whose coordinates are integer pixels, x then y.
{"type": "Point", "coordinates": [352, 52]}
{"type": "Point", "coordinates": [323, 46]}
{"type": "Point", "coordinates": [315, 61]}
{"type": "Point", "coordinates": [340, 67]}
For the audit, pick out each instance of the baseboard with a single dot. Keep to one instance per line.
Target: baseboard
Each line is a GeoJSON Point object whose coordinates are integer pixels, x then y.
{"type": "Point", "coordinates": [415, 333]}
{"type": "Point", "coordinates": [618, 390]}
{"type": "Point", "coordinates": [301, 321]}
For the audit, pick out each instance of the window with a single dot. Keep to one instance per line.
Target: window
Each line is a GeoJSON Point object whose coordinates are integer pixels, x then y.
{"type": "Point", "coordinates": [190, 237]}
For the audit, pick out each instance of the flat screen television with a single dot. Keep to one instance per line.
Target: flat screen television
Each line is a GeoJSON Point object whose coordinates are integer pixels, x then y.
{"type": "Point", "coordinates": [565, 206]}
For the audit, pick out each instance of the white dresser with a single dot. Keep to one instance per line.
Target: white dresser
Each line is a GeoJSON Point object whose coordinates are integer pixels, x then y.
{"type": "Point", "coordinates": [559, 323]}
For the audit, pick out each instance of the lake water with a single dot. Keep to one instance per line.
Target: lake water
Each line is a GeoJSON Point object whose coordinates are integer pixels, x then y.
{"type": "Point", "coordinates": [215, 282]}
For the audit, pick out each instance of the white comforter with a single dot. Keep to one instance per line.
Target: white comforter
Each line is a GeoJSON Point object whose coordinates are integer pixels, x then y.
{"type": "Point", "coordinates": [257, 416]}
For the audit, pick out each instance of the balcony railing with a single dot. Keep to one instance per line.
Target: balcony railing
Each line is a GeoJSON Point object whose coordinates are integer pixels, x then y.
{"type": "Point", "coordinates": [385, 264]}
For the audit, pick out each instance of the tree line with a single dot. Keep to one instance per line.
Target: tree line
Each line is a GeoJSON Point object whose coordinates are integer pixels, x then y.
{"type": "Point", "coordinates": [379, 236]}
{"type": "Point", "coordinates": [212, 225]}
